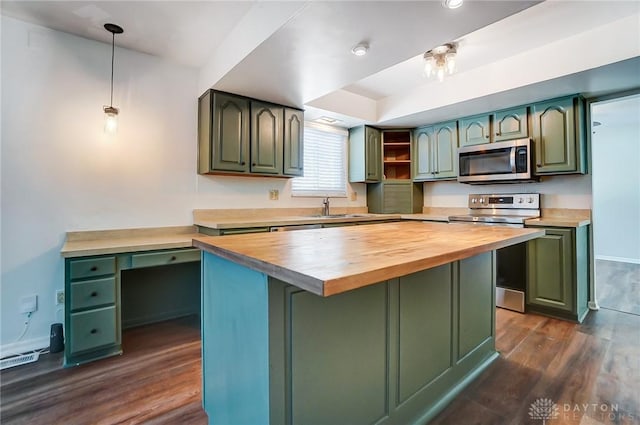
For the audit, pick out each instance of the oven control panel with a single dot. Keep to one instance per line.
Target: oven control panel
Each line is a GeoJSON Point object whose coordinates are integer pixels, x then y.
{"type": "Point", "coordinates": [505, 200]}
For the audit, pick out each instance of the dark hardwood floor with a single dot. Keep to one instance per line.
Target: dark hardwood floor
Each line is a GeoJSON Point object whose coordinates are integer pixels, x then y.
{"type": "Point", "coordinates": [157, 380]}
{"type": "Point", "coordinates": [618, 286]}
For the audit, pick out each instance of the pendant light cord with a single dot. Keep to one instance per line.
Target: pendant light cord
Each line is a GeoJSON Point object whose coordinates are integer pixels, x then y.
{"type": "Point", "coordinates": [113, 43]}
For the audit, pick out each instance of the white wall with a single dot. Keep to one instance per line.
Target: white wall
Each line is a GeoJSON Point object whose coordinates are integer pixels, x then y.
{"type": "Point", "coordinates": [571, 191]}
{"type": "Point", "coordinates": [61, 173]}
{"type": "Point", "coordinates": [616, 180]}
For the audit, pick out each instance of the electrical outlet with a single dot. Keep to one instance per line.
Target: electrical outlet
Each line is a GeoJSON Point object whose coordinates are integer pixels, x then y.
{"type": "Point", "coordinates": [29, 304]}
{"type": "Point", "coordinates": [273, 194]}
{"type": "Point", "coordinates": [59, 297]}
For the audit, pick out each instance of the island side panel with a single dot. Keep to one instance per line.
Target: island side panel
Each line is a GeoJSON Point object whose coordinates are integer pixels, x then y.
{"type": "Point", "coordinates": [235, 343]}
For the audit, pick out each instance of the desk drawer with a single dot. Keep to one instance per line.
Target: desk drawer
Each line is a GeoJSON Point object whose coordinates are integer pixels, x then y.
{"type": "Point", "coordinates": [90, 293]}
{"type": "Point", "coordinates": [165, 257]}
{"type": "Point", "coordinates": [92, 267]}
{"type": "Point", "coordinates": [93, 329]}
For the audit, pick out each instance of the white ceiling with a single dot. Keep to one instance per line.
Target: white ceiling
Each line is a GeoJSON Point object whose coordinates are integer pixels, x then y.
{"type": "Point", "coordinates": [298, 52]}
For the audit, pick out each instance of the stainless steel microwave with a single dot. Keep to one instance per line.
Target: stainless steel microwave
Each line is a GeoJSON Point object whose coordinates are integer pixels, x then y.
{"type": "Point", "coordinates": [500, 162]}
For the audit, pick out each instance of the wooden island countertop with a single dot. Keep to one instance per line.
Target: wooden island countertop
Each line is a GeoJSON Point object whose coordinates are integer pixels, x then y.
{"type": "Point", "coordinates": [335, 260]}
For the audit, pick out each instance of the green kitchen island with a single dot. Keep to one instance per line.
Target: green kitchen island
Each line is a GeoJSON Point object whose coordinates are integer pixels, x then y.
{"type": "Point", "coordinates": [376, 324]}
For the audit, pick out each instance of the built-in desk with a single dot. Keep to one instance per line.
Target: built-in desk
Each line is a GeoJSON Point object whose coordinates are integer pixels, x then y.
{"type": "Point", "coordinates": [122, 278]}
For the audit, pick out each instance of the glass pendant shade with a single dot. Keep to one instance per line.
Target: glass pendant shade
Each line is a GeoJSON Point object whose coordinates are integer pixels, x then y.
{"type": "Point", "coordinates": [110, 120]}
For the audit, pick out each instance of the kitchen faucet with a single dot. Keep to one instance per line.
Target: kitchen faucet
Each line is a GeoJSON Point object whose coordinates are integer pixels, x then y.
{"type": "Point", "coordinates": [325, 206]}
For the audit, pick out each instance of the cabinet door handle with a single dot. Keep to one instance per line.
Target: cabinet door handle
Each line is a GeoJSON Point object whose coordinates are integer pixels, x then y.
{"type": "Point", "coordinates": [94, 268]}
{"type": "Point", "coordinates": [94, 331]}
{"type": "Point", "coordinates": [94, 294]}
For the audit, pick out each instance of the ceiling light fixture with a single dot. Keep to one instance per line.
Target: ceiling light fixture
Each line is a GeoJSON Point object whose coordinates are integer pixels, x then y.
{"type": "Point", "coordinates": [111, 113]}
{"type": "Point", "coordinates": [452, 4]}
{"type": "Point", "coordinates": [440, 60]}
{"type": "Point", "coordinates": [361, 49]}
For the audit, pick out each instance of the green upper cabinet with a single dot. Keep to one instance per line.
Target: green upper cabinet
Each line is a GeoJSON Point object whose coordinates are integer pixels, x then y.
{"type": "Point", "coordinates": [558, 135]}
{"type": "Point", "coordinates": [475, 130]}
{"type": "Point", "coordinates": [558, 282]}
{"type": "Point", "coordinates": [266, 138]}
{"type": "Point", "coordinates": [239, 135]}
{"type": "Point", "coordinates": [510, 124]}
{"type": "Point", "coordinates": [423, 166]}
{"type": "Point", "coordinates": [365, 155]}
{"type": "Point", "coordinates": [223, 133]}
{"type": "Point", "coordinates": [435, 150]}
{"type": "Point", "coordinates": [445, 137]}
{"type": "Point", "coordinates": [293, 149]}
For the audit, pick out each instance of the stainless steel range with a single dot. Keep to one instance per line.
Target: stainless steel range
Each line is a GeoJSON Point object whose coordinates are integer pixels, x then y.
{"type": "Point", "coordinates": [509, 209]}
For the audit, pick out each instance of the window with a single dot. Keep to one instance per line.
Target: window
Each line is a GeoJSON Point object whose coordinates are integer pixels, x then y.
{"type": "Point", "coordinates": [324, 162]}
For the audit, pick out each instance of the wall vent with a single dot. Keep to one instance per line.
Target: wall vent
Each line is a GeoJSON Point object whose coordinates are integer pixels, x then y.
{"type": "Point", "coordinates": [19, 360]}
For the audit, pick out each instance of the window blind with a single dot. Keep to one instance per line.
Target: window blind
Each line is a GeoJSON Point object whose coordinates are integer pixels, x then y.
{"type": "Point", "coordinates": [324, 162]}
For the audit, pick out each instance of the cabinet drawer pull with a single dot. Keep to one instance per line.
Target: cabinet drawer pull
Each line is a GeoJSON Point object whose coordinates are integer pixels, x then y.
{"type": "Point", "coordinates": [94, 268]}
{"type": "Point", "coordinates": [94, 294]}
{"type": "Point", "coordinates": [94, 331]}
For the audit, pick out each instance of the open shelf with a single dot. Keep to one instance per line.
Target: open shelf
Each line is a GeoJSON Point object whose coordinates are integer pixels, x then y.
{"type": "Point", "coordinates": [396, 154]}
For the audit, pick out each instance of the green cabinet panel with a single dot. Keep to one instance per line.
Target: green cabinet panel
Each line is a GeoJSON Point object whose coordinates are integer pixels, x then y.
{"type": "Point", "coordinates": [423, 167]}
{"type": "Point", "coordinates": [92, 293]}
{"type": "Point", "coordinates": [557, 267]}
{"type": "Point", "coordinates": [395, 197]}
{"type": "Point", "coordinates": [293, 146]}
{"type": "Point", "coordinates": [446, 144]}
{"type": "Point", "coordinates": [365, 154]}
{"type": "Point", "coordinates": [223, 133]}
{"type": "Point", "coordinates": [92, 329]}
{"type": "Point", "coordinates": [358, 367]}
{"type": "Point", "coordinates": [425, 303]}
{"type": "Point", "coordinates": [510, 124]}
{"type": "Point", "coordinates": [436, 150]}
{"type": "Point", "coordinates": [266, 138]}
{"type": "Point", "coordinates": [476, 291]}
{"type": "Point", "coordinates": [475, 130]}
{"type": "Point", "coordinates": [558, 135]}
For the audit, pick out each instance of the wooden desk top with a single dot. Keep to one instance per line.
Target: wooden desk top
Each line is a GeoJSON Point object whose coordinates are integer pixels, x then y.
{"type": "Point", "coordinates": [334, 260]}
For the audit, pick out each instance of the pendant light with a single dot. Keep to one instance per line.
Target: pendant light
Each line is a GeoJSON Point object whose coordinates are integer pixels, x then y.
{"type": "Point", "coordinates": [111, 113]}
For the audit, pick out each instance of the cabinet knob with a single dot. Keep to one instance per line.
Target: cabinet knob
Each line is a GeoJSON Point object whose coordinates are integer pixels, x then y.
{"type": "Point", "coordinates": [486, 137]}
{"type": "Point", "coordinates": [253, 164]}
{"type": "Point", "coordinates": [497, 134]}
{"type": "Point", "coordinates": [94, 331]}
{"type": "Point", "coordinates": [243, 163]}
{"type": "Point", "coordinates": [539, 165]}
{"type": "Point", "coordinates": [94, 268]}
{"type": "Point", "coordinates": [173, 258]}
{"type": "Point", "coordinates": [94, 294]}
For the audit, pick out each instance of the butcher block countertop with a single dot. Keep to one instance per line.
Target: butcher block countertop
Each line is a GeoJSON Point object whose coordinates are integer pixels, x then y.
{"type": "Point", "coordinates": [335, 260]}
{"type": "Point", "coordinates": [99, 242]}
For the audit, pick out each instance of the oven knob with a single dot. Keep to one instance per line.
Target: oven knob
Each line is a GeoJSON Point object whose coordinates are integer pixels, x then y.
{"type": "Point", "coordinates": [530, 200]}
{"type": "Point", "coordinates": [520, 200]}
{"type": "Point", "coordinates": [473, 200]}
{"type": "Point", "coordinates": [481, 200]}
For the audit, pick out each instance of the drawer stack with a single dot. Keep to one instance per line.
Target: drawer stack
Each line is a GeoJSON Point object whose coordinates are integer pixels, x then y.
{"type": "Point", "coordinates": [93, 328]}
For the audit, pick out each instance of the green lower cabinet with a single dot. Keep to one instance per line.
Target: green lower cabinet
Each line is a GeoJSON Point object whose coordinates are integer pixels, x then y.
{"type": "Point", "coordinates": [395, 352]}
{"type": "Point", "coordinates": [395, 197]}
{"type": "Point", "coordinates": [557, 282]}
{"type": "Point", "coordinates": [107, 293]}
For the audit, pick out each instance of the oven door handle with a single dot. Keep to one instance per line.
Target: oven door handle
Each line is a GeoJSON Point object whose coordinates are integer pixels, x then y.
{"type": "Point", "coordinates": [512, 160]}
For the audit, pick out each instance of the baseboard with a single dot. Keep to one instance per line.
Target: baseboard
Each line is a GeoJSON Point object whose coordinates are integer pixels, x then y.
{"type": "Point", "coordinates": [618, 259]}
{"type": "Point", "coordinates": [24, 346]}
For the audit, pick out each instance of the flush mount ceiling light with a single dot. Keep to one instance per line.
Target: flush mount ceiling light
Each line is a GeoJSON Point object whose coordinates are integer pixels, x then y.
{"type": "Point", "coordinates": [440, 60]}
{"type": "Point", "coordinates": [111, 113]}
{"type": "Point", "coordinates": [361, 49]}
{"type": "Point", "coordinates": [452, 4]}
